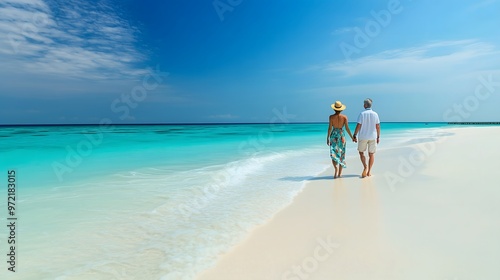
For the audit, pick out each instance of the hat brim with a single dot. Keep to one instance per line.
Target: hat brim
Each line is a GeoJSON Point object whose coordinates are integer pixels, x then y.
{"type": "Point", "coordinates": [342, 108]}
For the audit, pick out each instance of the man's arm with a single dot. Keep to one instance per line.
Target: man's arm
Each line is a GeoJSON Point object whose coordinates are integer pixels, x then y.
{"type": "Point", "coordinates": [378, 132]}
{"type": "Point", "coordinates": [358, 127]}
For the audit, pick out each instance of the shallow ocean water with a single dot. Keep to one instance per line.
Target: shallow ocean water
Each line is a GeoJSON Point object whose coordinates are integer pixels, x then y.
{"type": "Point", "coordinates": [156, 201]}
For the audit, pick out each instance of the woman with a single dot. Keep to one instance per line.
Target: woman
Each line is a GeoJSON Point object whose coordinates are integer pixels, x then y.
{"type": "Point", "coordinates": [336, 138]}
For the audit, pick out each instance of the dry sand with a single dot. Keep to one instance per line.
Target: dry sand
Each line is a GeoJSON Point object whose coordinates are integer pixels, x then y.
{"type": "Point", "coordinates": [430, 211]}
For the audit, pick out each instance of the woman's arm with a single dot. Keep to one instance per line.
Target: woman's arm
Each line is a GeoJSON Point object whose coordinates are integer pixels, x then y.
{"type": "Point", "coordinates": [329, 131]}
{"type": "Point", "coordinates": [346, 124]}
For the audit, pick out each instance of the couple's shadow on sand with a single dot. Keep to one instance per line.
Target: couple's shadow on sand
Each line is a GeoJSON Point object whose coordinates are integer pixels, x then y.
{"type": "Point", "coordinates": [315, 178]}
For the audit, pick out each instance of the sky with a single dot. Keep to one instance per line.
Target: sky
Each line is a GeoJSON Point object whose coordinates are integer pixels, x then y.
{"type": "Point", "coordinates": [238, 61]}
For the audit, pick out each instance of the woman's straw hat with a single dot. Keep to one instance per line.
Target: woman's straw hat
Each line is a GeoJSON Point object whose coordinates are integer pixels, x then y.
{"type": "Point", "coordinates": [338, 106]}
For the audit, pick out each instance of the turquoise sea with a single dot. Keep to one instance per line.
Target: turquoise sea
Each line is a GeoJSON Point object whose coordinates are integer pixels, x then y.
{"type": "Point", "coordinates": [155, 201]}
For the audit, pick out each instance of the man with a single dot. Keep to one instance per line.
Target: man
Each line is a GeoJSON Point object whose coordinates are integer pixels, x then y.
{"type": "Point", "coordinates": [369, 134]}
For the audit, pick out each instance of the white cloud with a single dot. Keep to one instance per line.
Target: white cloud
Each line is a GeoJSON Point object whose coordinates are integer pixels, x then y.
{"type": "Point", "coordinates": [74, 39]}
{"type": "Point", "coordinates": [446, 71]}
{"type": "Point", "coordinates": [431, 60]}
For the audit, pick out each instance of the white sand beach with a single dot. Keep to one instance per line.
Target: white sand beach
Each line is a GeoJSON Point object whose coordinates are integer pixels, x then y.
{"type": "Point", "coordinates": [430, 211]}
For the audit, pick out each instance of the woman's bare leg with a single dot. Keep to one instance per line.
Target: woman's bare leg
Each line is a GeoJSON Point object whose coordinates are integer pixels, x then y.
{"type": "Point", "coordinates": [334, 166]}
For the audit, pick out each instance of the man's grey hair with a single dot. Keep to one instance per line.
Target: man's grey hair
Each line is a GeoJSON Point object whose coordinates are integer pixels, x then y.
{"type": "Point", "coordinates": [368, 103]}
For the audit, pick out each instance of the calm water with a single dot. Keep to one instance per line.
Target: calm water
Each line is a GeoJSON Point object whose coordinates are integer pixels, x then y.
{"type": "Point", "coordinates": [155, 201]}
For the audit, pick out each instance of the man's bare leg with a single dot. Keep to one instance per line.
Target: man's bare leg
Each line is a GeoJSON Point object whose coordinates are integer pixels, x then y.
{"type": "Point", "coordinates": [370, 163]}
{"type": "Point", "coordinates": [363, 161]}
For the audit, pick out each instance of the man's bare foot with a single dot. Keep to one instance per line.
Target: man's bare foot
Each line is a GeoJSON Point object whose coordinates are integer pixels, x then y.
{"type": "Point", "coordinates": [363, 175]}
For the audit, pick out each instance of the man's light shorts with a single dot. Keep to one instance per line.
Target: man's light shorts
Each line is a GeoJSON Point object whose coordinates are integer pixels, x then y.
{"type": "Point", "coordinates": [370, 144]}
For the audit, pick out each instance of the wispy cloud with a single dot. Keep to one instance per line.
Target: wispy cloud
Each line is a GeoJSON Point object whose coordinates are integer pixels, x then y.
{"type": "Point", "coordinates": [429, 59]}
{"type": "Point", "coordinates": [448, 67]}
{"type": "Point", "coordinates": [75, 39]}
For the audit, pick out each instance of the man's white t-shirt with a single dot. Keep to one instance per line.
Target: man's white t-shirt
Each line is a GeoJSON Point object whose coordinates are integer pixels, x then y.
{"type": "Point", "coordinates": [368, 119]}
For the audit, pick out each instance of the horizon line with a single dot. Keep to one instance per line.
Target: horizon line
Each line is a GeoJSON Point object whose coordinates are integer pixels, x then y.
{"type": "Point", "coordinates": [198, 123]}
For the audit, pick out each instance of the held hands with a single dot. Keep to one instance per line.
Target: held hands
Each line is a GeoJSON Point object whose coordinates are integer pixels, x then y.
{"type": "Point", "coordinates": [354, 139]}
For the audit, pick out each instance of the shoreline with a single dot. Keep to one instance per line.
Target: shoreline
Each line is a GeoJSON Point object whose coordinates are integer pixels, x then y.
{"type": "Point", "coordinates": [404, 222]}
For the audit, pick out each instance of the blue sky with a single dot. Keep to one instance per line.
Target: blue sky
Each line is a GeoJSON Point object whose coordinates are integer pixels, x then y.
{"type": "Point", "coordinates": [184, 61]}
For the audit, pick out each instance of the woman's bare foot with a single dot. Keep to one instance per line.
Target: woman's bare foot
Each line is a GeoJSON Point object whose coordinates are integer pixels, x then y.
{"type": "Point", "coordinates": [369, 173]}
